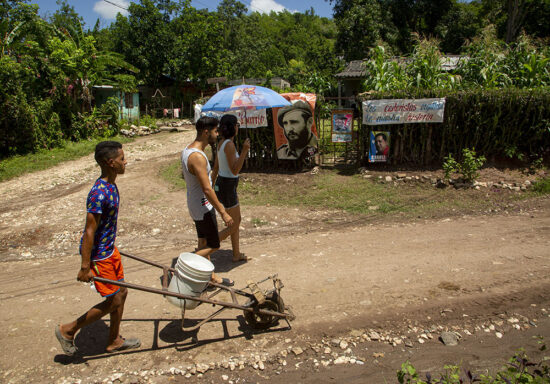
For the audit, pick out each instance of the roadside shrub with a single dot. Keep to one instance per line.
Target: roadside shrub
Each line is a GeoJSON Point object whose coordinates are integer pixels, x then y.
{"type": "Point", "coordinates": [109, 111]}
{"type": "Point", "coordinates": [519, 369]}
{"type": "Point", "coordinates": [50, 133]}
{"type": "Point", "coordinates": [148, 121]}
{"type": "Point", "coordinates": [468, 168]}
{"type": "Point", "coordinates": [542, 186]}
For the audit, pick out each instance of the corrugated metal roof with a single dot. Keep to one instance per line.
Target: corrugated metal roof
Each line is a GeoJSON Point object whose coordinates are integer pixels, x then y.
{"type": "Point", "coordinates": [355, 69]}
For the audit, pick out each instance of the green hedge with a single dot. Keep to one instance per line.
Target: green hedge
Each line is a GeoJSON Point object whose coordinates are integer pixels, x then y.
{"type": "Point", "coordinates": [503, 123]}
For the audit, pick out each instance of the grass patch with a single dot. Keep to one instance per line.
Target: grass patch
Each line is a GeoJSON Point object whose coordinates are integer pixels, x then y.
{"type": "Point", "coordinates": [542, 186]}
{"type": "Point", "coordinates": [258, 222]}
{"type": "Point", "coordinates": [332, 190]}
{"type": "Point", "coordinates": [171, 173]}
{"type": "Point", "coordinates": [355, 195]}
{"type": "Point", "coordinates": [19, 165]}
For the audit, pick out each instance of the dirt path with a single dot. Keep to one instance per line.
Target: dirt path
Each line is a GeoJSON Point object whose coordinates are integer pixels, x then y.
{"type": "Point", "coordinates": [406, 281]}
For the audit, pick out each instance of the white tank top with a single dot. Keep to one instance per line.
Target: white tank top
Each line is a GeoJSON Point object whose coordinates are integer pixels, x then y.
{"type": "Point", "coordinates": [224, 169]}
{"type": "Point", "coordinates": [197, 202]}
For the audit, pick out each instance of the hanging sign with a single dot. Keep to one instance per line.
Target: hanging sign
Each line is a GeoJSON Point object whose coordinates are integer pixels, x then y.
{"type": "Point", "coordinates": [255, 118]}
{"type": "Point", "coordinates": [403, 111]}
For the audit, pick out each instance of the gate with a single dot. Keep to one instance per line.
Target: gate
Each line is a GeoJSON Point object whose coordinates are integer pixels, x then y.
{"type": "Point", "coordinates": [340, 153]}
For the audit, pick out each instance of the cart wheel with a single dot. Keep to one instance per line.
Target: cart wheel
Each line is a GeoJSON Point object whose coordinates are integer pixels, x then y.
{"type": "Point", "coordinates": [273, 302]}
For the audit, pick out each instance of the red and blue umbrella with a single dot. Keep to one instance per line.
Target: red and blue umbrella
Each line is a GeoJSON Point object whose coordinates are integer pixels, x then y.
{"type": "Point", "coordinates": [244, 97]}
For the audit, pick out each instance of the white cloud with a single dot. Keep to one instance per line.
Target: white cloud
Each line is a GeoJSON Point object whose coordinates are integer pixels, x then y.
{"type": "Point", "coordinates": [266, 6]}
{"type": "Point", "coordinates": [109, 11]}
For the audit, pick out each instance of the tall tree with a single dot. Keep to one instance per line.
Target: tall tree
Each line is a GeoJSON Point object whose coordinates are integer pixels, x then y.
{"type": "Point", "coordinates": [66, 16]}
{"type": "Point", "coordinates": [145, 39]}
{"type": "Point", "coordinates": [361, 24]}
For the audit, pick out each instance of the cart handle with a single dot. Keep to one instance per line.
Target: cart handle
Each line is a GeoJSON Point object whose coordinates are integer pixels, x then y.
{"type": "Point", "coordinates": [186, 297]}
{"type": "Point", "coordinates": [158, 265]}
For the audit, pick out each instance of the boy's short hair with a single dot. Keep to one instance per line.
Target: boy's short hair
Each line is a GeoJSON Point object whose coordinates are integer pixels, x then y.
{"type": "Point", "coordinates": [106, 150]}
{"type": "Point", "coordinates": [206, 122]}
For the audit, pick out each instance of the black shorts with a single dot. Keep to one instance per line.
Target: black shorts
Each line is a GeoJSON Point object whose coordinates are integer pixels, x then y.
{"type": "Point", "coordinates": [226, 191]}
{"type": "Point", "coordinates": [207, 228]}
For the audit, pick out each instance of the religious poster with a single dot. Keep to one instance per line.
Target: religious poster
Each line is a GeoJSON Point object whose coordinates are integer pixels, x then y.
{"type": "Point", "coordinates": [379, 148]}
{"type": "Point", "coordinates": [342, 125]}
{"type": "Point", "coordinates": [294, 126]}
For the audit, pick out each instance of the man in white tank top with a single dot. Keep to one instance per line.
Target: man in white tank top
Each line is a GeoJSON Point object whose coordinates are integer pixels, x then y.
{"type": "Point", "coordinates": [201, 198]}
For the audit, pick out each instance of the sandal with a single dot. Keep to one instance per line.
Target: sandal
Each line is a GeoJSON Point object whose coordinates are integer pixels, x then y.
{"type": "Point", "coordinates": [242, 257]}
{"type": "Point", "coordinates": [66, 344]}
{"type": "Point", "coordinates": [227, 282]}
{"type": "Point", "coordinates": [127, 344]}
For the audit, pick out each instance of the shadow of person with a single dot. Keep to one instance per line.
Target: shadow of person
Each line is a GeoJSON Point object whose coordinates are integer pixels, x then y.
{"type": "Point", "coordinates": [90, 341]}
{"type": "Point", "coordinates": [223, 260]}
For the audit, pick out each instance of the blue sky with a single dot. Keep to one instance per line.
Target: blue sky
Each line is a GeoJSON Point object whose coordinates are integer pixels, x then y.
{"type": "Point", "coordinates": [91, 10]}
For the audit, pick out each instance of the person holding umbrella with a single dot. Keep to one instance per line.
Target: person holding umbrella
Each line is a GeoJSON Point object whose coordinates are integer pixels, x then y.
{"type": "Point", "coordinates": [229, 164]}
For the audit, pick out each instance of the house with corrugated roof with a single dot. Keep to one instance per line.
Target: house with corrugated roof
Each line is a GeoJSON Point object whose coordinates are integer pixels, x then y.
{"type": "Point", "coordinates": [350, 80]}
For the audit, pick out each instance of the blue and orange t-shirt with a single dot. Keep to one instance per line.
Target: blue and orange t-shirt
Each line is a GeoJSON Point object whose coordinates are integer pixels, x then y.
{"type": "Point", "coordinates": [103, 199]}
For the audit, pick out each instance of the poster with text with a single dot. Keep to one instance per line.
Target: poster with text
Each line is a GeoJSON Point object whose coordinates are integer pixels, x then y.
{"type": "Point", "coordinates": [342, 125]}
{"type": "Point", "coordinates": [379, 148]}
{"type": "Point", "coordinates": [251, 118]}
{"type": "Point", "coordinates": [403, 111]}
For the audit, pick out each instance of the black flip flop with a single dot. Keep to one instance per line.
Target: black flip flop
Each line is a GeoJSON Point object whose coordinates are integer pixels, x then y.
{"type": "Point", "coordinates": [227, 282]}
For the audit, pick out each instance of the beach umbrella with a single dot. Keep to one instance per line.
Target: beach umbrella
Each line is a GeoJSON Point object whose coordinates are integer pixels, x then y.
{"type": "Point", "coordinates": [244, 97]}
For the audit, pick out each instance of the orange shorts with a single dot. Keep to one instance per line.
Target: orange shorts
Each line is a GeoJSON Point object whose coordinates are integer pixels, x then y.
{"type": "Point", "coordinates": [111, 269]}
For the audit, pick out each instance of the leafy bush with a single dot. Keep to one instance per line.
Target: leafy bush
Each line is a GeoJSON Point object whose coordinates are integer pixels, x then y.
{"type": "Point", "coordinates": [110, 111]}
{"type": "Point", "coordinates": [148, 121]}
{"type": "Point", "coordinates": [542, 186]}
{"type": "Point", "coordinates": [519, 369]}
{"type": "Point", "coordinates": [468, 168]}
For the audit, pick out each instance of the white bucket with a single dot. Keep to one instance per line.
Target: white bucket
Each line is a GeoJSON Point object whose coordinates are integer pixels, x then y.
{"type": "Point", "coordinates": [193, 272]}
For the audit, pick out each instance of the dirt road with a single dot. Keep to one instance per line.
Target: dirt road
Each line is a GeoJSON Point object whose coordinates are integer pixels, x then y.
{"type": "Point", "coordinates": [484, 277]}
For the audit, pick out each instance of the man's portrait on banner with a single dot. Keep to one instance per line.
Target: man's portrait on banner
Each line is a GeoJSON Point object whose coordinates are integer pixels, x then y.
{"type": "Point", "coordinates": [297, 124]}
{"type": "Point", "coordinates": [379, 149]}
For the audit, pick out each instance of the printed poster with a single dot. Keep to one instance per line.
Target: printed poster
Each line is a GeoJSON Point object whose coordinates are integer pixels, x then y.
{"type": "Point", "coordinates": [342, 125]}
{"type": "Point", "coordinates": [379, 148]}
{"type": "Point", "coordinates": [294, 126]}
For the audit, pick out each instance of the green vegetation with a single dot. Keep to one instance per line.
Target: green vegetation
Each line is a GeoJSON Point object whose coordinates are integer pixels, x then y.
{"type": "Point", "coordinates": [258, 222]}
{"type": "Point", "coordinates": [48, 67]}
{"type": "Point", "coordinates": [47, 72]}
{"type": "Point", "coordinates": [468, 168]}
{"type": "Point", "coordinates": [519, 369]}
{"type": "Point", "coordinates": [542, 186]}
{"type": "Point", "coordinates": [171, 173]}
{"type": "Point", "coordinates": [490, 64]}
{"type": "Point", "coordinates": [44, 159]}
{"type": "Point", "coordinates": [349, 193]}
